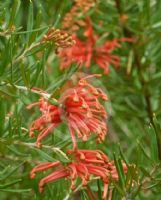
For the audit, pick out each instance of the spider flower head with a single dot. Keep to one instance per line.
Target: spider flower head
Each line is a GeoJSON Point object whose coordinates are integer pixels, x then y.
{"type": "Point", "coordinates": [79, 107]}
{"type": "Point", "coordinates": [89, 51]}
{"type": "Point", "coordinates": [83, 165]}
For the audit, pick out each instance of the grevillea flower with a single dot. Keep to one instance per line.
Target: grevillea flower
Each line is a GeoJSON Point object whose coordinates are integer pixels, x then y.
{"type": "Point", "coordinates": [73, 19]}
{"type": "Point", "coordinates": [84, 163]}
{"type": "Point", "coordinates": [79, 107]}
{"type": "Point", "coordinates": [87, 51]}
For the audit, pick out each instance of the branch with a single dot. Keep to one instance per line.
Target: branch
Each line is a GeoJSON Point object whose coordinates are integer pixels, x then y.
{"type": "Point", "coordinates": [39, 92]}
{"type": "Point", "coordinates": [33, 90]}
{"type": "Point", "coordinates": [33, 145]}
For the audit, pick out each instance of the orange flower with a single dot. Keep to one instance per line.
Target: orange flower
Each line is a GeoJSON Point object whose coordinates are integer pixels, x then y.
{"type": "Point", "coordinates": [85, 52]}
{"type": "Point", "coordinates": [79, 107]}
{"type": "Point", "coordinates": [84, 163]}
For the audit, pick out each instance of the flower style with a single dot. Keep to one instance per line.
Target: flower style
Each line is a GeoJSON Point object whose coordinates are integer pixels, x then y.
{"type": "Point", "coordinates": [85, 52]}
{"type": "Point", "coordinates": [84, 163]}
{"type": "Point", "coordinates": [79, 107]}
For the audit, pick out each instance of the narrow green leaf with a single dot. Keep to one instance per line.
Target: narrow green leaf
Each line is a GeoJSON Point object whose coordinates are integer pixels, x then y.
{"type": "Point", "coordinates": [132, 175]}
{"type": "Point", "coordinates": [15, 190]}
{"type": "Point", "coordinates": [116, 194]}
{"type": "Point", "coordinates": [45, 155]}
{"type": "Point", "coordinates": [30, 22]}
{"type": "Point", "coordinates": [10, 172]}
{"type": "Point", "coordinates": [15, 151]}
{"type": "Point", "coordinates": [84, 195]}
{"type": "Point", "coordinates": [2, 115]}
{"type": "Point", "coordinates": [122, 155]}
{"type": "Point", "coordinates": [153, 143]}
{"type": "Point", "coordinates": [15, 7]}
{"type": "Point", "coordinates": [99, 189]}
{"type": "Point", "coordinates": [35, 76]}
{"type": "Point", "coordinates": [157, 128]}
{"type": "Point", "coordinates": [34, 34]}
{"type": "Point", "coordinates": [25, 76]}
{"type": "Point", "coordinates": [151, 186]}
{"type": "Point", "coordinates": [4, 171]}
{"type": "Point", "coordinates": [119, 189]}
{"type": "Point", "coordinates": [143, 150]}
{"type": "Point", "coordinates": [145, 172]}
{"type": "Point", "coordinates": [5, 93]}
{"type": "Point", "coordinates": [120, 171]}
{"type": "Point", "coordinates": [10, 183]}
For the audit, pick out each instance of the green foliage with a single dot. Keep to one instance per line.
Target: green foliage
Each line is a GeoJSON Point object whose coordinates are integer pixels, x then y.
{"type": "Point", "coordinates": [134, 93]}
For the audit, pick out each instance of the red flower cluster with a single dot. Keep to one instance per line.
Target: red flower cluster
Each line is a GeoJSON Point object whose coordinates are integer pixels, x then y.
{"type": "Point", "coordinates": [84, 163]}
{"type": "Point", "coordinates": [85, 52]}
{"type": "Point", "coordinates": [79, 107]}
